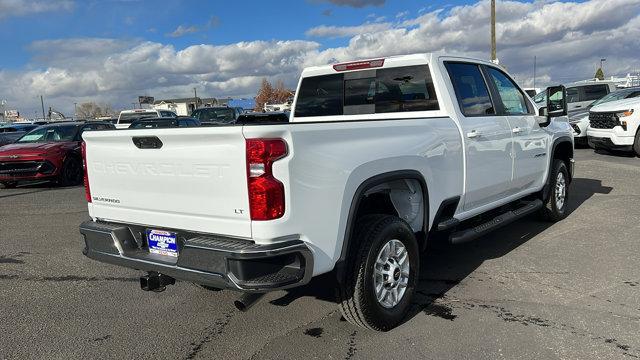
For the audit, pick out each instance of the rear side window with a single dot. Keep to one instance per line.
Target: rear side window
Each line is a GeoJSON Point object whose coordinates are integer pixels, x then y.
{"type": "Point", "coordinates": [594, 92]}
{"type": "Point", "coordinates": [573, 95]}
{"type": "Point", "coordinates": [398, 89]}
{"type": "Point", "coordinates": [320, 96]}
{"type": "Point", "coordinates": [471, 90]}
{"type": "Point", "coordinates": [407, 88]}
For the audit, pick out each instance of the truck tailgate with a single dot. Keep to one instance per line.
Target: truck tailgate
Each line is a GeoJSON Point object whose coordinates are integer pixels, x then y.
{"type": "Point", "coordinates": [195, 181]}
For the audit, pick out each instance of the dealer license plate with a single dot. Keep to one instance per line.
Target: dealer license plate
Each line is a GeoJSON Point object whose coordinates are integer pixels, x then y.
{"type": "Point", "coordinates": [162, 242]}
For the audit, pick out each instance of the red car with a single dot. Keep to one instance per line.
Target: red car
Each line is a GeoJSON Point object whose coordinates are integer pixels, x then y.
{"type": "Point", "coordinates": [49, 152]}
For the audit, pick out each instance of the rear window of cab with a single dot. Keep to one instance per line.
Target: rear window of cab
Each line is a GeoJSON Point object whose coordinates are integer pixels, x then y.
{"type": "Point", "coordinates": [375, 91]}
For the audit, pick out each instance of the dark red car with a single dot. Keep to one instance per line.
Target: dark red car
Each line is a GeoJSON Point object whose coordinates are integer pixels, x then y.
{"type": "Point", "coordinates": [49, 152]}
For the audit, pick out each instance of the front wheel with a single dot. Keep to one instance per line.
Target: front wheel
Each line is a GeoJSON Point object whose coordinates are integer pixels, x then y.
{"type": "Point", "coordinates": [71, 172]}
{"type": "Point", "coordinates": [381, 275]}
{"type": "Point", "coordinates": [555, 206]}
{"type": "Point", "coordinates": [9, 184]}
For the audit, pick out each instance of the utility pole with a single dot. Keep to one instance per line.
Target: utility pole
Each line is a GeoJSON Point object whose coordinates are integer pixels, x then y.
{"type": "Point", "coordinates": [494, 56]}
{"type": "Point", "coordinates": [75, 110]}
{"type": "Point", "coordinates": [535, 58]}
{"type": "Point", "coordinates": [42, 103]}
{"type": "Point", "coordinates": [195, 98]}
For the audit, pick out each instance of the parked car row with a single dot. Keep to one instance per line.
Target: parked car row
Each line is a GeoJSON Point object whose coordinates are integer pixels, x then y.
{"type": "Point", "coordinates": [602, 116]}
{"type": "Point", "coordinates": [11, 133]}
{"type": "Point", "coordinates": [52, 151]}
{"type": "Point", "coordinates": [48, 152]}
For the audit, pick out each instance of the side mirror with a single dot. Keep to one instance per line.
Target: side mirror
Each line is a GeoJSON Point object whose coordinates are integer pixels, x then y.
{"type": "Point", "coordinates": [556, 104]}
{"type": "Point", "coordinates": [556, 101]}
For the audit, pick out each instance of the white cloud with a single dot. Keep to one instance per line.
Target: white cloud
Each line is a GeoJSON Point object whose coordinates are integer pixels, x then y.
{"type": "Point", "coordinates": [354, 3]}
{"type": "Point", "coordinates": [567, 38]}
{"type": "Point", "coordinates": [183, 30]}
{"type": "Point", "coordinates": [116, 71]}
{"type": "Point", "coordinates": [9, 8]}
{"type": "Point", "coordinates": [344, 31]}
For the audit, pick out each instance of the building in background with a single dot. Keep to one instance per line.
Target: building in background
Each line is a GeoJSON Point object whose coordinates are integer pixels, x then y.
{"type": "Point", "coordinates": [184, 106]}
{"type": "Point", "coordinates": [246, 104]}
{"type": "Point", "coordinates": [11, 116]}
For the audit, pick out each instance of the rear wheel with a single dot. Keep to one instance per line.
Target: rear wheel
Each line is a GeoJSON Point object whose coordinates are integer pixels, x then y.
{"type": "Point", "coordinates": [555, 206]}
{"type": "Point", "coordinates": [71, 172]}
{"type": "Point", "coordinates": [636, 144]}
{"type": "Point", "coordinates": [381, 275]}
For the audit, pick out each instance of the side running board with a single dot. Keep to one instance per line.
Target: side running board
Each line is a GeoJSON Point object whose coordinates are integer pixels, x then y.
{"type": "Point", "coordinates": [466, 235]}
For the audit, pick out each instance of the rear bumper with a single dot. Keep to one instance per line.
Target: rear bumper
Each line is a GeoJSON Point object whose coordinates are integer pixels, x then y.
{"type": "Point", "coordinates": [204, 259]}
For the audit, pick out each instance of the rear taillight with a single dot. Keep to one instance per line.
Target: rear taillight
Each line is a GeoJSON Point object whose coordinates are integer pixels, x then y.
{"type": "Point", "coordinates": [87, 190]}
{"type": "Point", "coordinates": [266, 193]}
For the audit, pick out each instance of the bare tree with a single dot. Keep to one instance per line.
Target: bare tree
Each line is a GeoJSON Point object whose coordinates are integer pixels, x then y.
{"type": "Point", "coordinates": [91, 110]}
{"type": "Point", "coordinates": [281, 94]}
{"type": "Point", "coordinates": [265, 95]}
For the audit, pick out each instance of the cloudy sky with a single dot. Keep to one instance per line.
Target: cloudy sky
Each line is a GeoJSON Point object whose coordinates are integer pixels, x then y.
{"type": "Point", "coordinates": [111, 51]}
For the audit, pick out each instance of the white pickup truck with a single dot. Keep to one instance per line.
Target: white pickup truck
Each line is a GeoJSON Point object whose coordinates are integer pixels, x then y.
{"type": "Point", "coordinates": [377, 157]}
{"type": "Point", "coordinates": [615, 125]}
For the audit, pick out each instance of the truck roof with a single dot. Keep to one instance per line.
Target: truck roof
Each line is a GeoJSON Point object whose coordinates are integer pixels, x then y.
{"type": "Point", "coordinates": [381, 62]}
{"type": "Point", "coordinates": [138, 111]}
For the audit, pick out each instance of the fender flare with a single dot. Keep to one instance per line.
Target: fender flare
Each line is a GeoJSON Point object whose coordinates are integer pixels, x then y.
{"type": "Point", "coordinates": [347, 243]}
{"type": "Point", "coordinates": [556, 143]}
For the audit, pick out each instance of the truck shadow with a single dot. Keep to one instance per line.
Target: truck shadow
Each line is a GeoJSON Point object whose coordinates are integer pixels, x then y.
{"type": "Point", "coordinates": [445, 267]}
{"type": "Point", "coordinates": [617, 153]}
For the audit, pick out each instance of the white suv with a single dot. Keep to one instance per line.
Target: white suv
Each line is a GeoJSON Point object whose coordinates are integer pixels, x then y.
{"type": "Point", "coordinates": [580, 120]}
{"type": "Point", "coordinates": [126, 117]}
{"type": "Point", "coordinates": [614, 125]}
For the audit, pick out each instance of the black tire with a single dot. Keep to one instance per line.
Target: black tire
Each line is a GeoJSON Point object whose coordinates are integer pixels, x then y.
{"type": "Point", "coordinates": [636, 144]}
{"type": "Point", "coordinates": [9, 184]}
{"type": "Point", "coordinates": [552, 210]}
{"type": "Point", "coordinates": [71, 173]}
{"type": "Point", "coordinates": [356, 291]}
{"type": "Point", "coordinates": [581, 143]}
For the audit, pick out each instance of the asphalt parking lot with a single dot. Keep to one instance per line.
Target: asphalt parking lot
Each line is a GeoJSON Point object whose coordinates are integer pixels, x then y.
{"type": "Point", "coordinates": [531, 290]}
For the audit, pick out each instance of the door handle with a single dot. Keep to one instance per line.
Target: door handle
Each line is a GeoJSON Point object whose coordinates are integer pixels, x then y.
{"type": "Point", "coordinates": [516, 130]}
{"type": "Point", "coordinates": [473, 134]}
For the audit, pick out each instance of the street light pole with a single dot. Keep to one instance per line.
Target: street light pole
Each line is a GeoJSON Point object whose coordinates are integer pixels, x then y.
{"type": "Point", "coordinates": [601, 65]}
{"type": "Point", "coordinates": [494, 56]}
{"type": "Point", "coordinates": [75, 110]}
